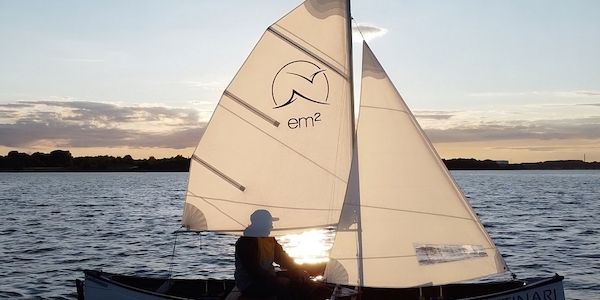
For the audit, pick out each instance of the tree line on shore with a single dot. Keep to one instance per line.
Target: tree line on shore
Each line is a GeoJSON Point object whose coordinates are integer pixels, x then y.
{"type": "Point", "coordinates": [63, 161]}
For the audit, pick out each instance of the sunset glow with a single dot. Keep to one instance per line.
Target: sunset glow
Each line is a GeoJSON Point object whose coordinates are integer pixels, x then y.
{"type": "Point", "coordinates": [308, 247]}
{"type": "Point", "coordinates": [527, 90]}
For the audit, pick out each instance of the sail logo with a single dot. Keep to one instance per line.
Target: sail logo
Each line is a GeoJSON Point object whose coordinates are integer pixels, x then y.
{"type": "Point", "coordinates": [300, 80]}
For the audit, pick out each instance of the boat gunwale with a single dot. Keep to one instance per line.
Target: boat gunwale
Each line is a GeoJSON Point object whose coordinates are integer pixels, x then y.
{"type": "Point", "coordinates": [536, 284]}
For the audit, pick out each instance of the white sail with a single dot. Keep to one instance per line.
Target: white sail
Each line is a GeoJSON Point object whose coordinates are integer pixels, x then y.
{"type": "Point", "coordinates": [280, 137]}
{"type": "Point", "coordinates": [414, 227]}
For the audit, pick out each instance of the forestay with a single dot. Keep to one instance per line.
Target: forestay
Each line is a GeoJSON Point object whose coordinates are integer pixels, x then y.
{"type": "Point", "coordinates": [412, 225]}
{"type": "Point", "coordinates": [280, 137]}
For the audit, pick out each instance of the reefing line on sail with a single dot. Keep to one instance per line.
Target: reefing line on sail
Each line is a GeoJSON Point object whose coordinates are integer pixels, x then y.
{"type": "Point", "coordinates": [282, 229]}
{"type": "Point", "coordinates": [206, 200]}
{"type": "Point", "coordinates": [219, 173]}
{"type": "Point", "coordinates": [251, 108]}
{"type": "Point", "coordinates": [305, 50]}
{"type": "Point", "coordinates": [259, 204]}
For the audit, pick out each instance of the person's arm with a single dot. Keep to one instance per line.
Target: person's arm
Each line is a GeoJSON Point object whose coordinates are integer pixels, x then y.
{"type": "Point", "coordinates": [283, 259]}
{"type": "Point", "coordinates": [286, 262]}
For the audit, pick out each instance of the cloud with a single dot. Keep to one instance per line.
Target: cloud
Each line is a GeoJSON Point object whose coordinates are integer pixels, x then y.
{"type": "Point", "coordinates": [590, 104]}
{"type": "Point", "coordinates": [207, 85]}
{"type": "Point", "coordinates": [433, 115]}
{"type": "Point", "coordinates": [15, 105]}
{"type": "Point", "coordinates": [83, 60]}
{"type": "Point", "coordinates": [588, 93]}
{"type": "Point", "coordinates": [584, 147]}
{"type": "Point", "coordinates": [367, 31]}
{"type": "Point", "coordinates": [97, 124]}
{"type": "Point", "coordinates": [582, 128]}
{"type": "Point", "coordinates": [568, 94]}
{"type": "Point", "coordinates": [111, 114]}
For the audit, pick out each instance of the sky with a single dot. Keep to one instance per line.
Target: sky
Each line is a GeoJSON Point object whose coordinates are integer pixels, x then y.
{"type": "Point", "coordinates": [502, 80]}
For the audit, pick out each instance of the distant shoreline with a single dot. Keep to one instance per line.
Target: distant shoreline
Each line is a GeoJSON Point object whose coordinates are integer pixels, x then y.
{"type": "Point", "coordinates": [63, 161]}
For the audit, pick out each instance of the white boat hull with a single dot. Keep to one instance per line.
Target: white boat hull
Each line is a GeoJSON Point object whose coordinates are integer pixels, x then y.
{"type": "Point", "coordinates": [101, 285]}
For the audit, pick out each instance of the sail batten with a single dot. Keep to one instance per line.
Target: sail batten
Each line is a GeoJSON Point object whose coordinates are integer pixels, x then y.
{"type": "Point", "coordinates": [307, 51]}
{"type": "Point", "coordinates": [251, 108]}
{"type": "Point", "coordinates": [219, 173]}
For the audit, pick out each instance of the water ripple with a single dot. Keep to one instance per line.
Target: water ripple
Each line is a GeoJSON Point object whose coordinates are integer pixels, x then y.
{"type": "Point", "coordinates": [61, 223]}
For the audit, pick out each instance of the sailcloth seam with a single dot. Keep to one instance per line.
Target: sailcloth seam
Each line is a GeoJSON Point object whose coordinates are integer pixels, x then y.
{"type": "Point", "coordinates": [251, 108]}
{"type": "Point", "coordinates": [384, 108]}
{"type": "Point", "coordinates": [221, 211]}
{"type": "Point", "coordinates": [308, 52]}
{"type": "Point", "coordinates": [284, 144]}
{"type": "Point", "coordinates": [414, 211]}
{"type": "Point", "coordinates": [261, 204]}
{"type": "Point", "coordinates": [274, 229]}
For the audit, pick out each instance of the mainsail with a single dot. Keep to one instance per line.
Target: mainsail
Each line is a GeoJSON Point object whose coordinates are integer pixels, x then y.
{"type": "Point", "coordinates": [412, 225]}
{"type": "Point", "coordinates": [280, 138]}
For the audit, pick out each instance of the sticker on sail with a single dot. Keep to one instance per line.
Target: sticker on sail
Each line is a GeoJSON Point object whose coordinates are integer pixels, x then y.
{"type": "Point", "coordinates": [300, 80]}
{"type": "Point", "coordinates": [428, 254]}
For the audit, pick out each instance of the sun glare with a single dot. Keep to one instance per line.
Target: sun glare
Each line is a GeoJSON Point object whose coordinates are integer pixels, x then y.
{"type": "Point", "coordinates": [308, 247]}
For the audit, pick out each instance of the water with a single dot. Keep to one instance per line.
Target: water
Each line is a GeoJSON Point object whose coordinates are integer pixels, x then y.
{"type": "Point", "coordinates": [53, 225]}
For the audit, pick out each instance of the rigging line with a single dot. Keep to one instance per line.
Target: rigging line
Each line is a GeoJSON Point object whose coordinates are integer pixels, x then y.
{"type": "Point", "coordinates": [358, 29]}
{"type": "Point", "coordinates": [173, 257]}
{"type": "Point", "coordinates": [410, 211]}
{"type": "Point", "coordinates": [407, 256]}
{"type": "Point", "coordinates": [221, 211]}
{"type": "Point", "coordinates": [384, 108]}
{"type": "Point", "coordinates": [282, 36]}
{"type": "Point", "coordinates": [259, 204]}
{"type": "Point", "coordinates": [283, 144]}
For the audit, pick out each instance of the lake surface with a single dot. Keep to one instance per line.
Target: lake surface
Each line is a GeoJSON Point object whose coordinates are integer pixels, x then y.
{"type": "Point", "coordinates": [53, 225]}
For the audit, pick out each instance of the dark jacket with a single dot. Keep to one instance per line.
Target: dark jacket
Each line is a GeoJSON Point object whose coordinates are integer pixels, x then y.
{"type": "Point", "coordinates": [254, 257]}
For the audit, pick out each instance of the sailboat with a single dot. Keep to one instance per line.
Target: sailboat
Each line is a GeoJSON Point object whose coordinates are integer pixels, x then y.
{"type": "Point", "coordinates": [284, 138]}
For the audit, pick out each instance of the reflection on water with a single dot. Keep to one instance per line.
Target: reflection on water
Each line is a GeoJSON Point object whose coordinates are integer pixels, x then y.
{"type": "Point", "coordinates": [308, 247]}
{"type": "Point", "coordinates": [53, 225]}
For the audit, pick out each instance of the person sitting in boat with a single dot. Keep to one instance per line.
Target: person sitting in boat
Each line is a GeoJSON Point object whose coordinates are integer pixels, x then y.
{"type": "Point", "coordinates": [255, 253]}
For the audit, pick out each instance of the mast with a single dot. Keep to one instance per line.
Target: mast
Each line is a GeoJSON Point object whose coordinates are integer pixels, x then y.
{"type": "Point", "coordinates": [359, 253]}
{"type": "Point", "coordinates": [351, 70]}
